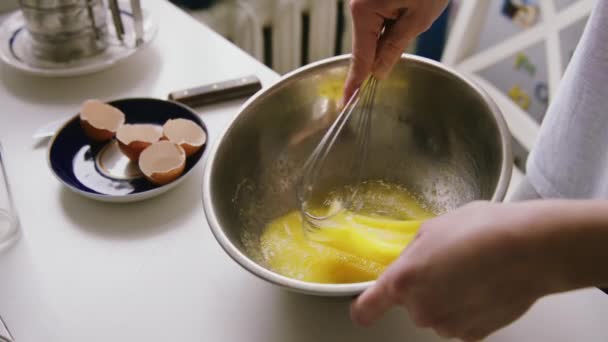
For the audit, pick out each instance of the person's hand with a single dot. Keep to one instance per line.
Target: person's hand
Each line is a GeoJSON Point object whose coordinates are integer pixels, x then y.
{"type": "Point", "coordinates": [409, 19]}
{"type": "Point", "coordinates": [467, 274]}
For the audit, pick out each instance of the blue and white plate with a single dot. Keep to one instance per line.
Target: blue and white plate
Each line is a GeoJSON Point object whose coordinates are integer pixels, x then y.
{"type": "Point", "coordinates": [101, 171]}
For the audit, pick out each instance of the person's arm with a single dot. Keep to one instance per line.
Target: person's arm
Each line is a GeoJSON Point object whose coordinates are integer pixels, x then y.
{"type": "Point", "coordinates": [478, 268]}
{"type": "Point", "coordinates": [378, 56]}
{"type": "Point", "coordinates": [578, 232]}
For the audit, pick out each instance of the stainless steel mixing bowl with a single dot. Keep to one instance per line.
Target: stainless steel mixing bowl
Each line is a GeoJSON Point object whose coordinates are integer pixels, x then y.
{"type": "Point", "coordinates": [434, 132]}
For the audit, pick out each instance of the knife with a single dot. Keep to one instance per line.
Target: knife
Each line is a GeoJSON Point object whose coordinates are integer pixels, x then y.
{"type": "Point", "coordinates": [217, 92]}
{"type": "Point", "coordinates": [138, 21]}
{"type": "Point", "coordinates": [192, 97]}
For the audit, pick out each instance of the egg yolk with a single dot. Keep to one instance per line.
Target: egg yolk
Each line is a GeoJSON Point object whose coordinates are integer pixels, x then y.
{"type": "Point", "coordinates": [348, 247]}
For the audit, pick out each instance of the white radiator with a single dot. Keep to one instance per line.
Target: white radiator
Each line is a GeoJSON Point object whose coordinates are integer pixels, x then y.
{"type": "Point", "coordinates": [254, 25]}
{"type": "Point", "coordinates": [245, 22]}
{"type": "Point", "coordinates": [8, 5]}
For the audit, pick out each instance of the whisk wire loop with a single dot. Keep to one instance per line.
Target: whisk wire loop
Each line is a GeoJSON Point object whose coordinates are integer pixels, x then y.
{"type": "Point", "coordinates": [362, 103]}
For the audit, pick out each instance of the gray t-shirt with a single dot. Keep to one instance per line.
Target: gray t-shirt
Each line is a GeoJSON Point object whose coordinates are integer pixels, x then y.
{"type": "Point", "coordinates": [570, 159]}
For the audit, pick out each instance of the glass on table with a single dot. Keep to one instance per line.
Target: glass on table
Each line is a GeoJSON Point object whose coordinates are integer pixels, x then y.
{"type": "Point", "coordinates": [8, 217]}
{"type": "Point", "coordinates": [5, 334]}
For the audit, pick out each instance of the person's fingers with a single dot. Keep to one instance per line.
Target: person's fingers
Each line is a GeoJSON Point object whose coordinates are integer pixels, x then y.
{"type": "Point", "coordinates": [389, 290]}
{"type": "Point", "coordinates": [393, 43]}
{"type": "Point", "coordinates": [372, 304]}
{"type": "Point", "coordinates": [367, 24]}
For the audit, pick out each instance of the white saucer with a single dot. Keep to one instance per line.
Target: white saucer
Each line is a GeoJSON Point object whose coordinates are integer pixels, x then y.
{"type": "Point", "coordinates": [15, 47]}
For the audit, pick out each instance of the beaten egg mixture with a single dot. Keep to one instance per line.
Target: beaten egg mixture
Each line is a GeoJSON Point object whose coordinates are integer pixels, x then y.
{"type": "Point", "coordinates": [348, 247]}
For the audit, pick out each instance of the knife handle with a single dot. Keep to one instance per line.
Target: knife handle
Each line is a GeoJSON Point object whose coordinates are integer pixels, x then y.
{"type": "Point", "coordinates": [217, 92]}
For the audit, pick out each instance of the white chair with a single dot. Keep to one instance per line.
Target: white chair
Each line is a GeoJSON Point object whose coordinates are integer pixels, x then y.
{"type": "Point", "coordinates": [460, 52]}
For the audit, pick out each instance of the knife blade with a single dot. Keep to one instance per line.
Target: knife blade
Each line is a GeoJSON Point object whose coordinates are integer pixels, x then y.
{"type": "Point", "coordinates": [138, 21]}
{"type": "Point", "coordinates": [217, 92]}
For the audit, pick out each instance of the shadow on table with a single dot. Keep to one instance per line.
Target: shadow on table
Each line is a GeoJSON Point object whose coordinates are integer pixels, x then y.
{"type": "Point", "coordinates": [139, 220]}
{"type": "Point", "coordinates": [327, 319]}
{"type": "Point", "coordinates": [123, 77]}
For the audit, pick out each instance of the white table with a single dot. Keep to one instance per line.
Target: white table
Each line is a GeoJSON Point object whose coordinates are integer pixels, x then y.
{"type": "Point", "coordinates": [151, 271]}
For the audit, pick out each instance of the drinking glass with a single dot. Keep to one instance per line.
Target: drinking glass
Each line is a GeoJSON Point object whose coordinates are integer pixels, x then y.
{"type": "Point", "coordinates": [5, 335]}
{"type": "Point", "coordinates": [9, 222]}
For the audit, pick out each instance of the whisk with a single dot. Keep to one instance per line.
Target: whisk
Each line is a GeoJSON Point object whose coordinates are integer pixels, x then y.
{"type": "Point", "coordinates": [359, 107]}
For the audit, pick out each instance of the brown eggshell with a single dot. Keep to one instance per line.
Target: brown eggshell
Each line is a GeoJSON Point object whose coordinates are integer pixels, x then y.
{"type": "Point", "coordinates": [133, 139]}
{"type": "Point", "coordinates": [162, 162]}
{"type": "Point", "coordinates": [96, 134]}
{"type": "Point", "coordinates": [100, 121]}
{"type": "Point", "coordinates": [162, 178]}
{"type": "Point", "coordinates": [186, 133]}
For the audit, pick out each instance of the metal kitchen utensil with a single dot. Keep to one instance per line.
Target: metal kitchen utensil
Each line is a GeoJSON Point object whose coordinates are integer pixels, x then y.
{"type": "Point", "coordinates": [138, 21]}
{"type": "Point", "coordinates": [117, 19]}
{"type": "Point", "coordinates": [435, 132]}
{"type": "Point", "coordinates": [217, 92]}
{"type": "Point", "coordinates": [354, 120]}
{"type": "Point", "coordinates": [65, 30]}
{"type": "Point", "coordinates": [70, 30]}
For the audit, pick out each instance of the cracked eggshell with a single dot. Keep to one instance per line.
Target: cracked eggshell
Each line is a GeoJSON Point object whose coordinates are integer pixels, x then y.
{"type": "Point", "coordinates": [186, 133]}
{"type": "Point", "coordinates": [162, 162]}
{"type": "Point", "coordinates": [99, 120]}
{"type": "Point", "coordinates": [133, 139]}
